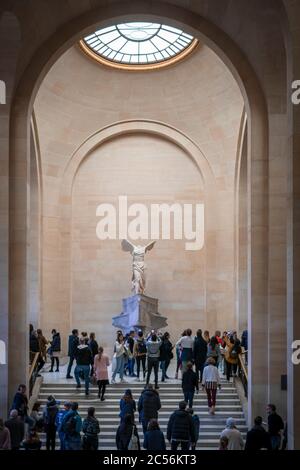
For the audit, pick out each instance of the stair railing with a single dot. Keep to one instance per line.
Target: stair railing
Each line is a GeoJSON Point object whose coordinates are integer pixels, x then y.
{"type": "Point", "coordinates": [243, 372]}
{"type": "Point", "coordinates": [33, 370]}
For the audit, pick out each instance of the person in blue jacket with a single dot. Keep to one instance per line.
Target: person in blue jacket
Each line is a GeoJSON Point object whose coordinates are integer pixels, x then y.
{"type": "Point", "coordinates": [58, 421]}
{"type": "Point", "coordinates": [127, 405]}
{"type": "Point", "coordinates": [71, 426]}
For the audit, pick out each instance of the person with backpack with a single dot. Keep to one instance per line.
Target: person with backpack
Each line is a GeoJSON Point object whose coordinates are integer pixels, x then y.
{"type": "Point", "coordinates": [189, 384]}
{"type": "Point", "coordinates": [165, 355]}
{"type": "Point", "coordinates": [73, 342]}
{"type": "Point", "coordinates": [101, 363]}
{"type": "Point", "coordinates": [181, 429]}
{"type": "Point", "coordinates": [127, 437]}
{"type": "Point", "coordinates": [127, 405]}
{"type": "Point", "coordinates": [196, 423]}
{"type": "Point", "coordinates": [42, 350]}
{"type": "Point", "coordinates": [90, 429]}
{"type": "Point", "coordinates": [71, 426]}
{"type": "Point", "coordinates": [153, 353]}
{"type": "Point", "coordinates": [154, 439]}
{"type": "Point", "coordinates": [232, 351]}
{"type": "Point", "coordinates": [58, 421]}
{"type": "Point", "coordinates": [49, 418]}
{"type": "Point", "coordinates": [214, 351]}
{"type": "Point", "coordinates": [84, 360]}
{"type": "Point", "coordinates": [148, 406]}
{"type": "Point", "coordinates": [140, 354]}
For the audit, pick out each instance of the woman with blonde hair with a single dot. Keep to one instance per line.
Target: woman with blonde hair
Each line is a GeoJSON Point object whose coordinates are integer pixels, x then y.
{"type": "Point", "coordinates": [210, 382]}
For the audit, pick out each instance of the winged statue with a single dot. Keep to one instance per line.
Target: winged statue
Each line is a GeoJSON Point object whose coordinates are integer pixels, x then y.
{"type": "Point", "coordinates": [138, 264]}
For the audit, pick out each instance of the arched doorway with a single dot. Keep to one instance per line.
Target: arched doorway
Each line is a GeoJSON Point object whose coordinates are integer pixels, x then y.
{"type": "Point", "coordinates": [257, 174]}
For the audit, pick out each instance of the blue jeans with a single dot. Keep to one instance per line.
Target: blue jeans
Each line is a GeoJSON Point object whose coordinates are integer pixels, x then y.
{"type": "Point", "coordinates": [119, 367]}
{"type": "Point", "coordinates": [275, 442]}
{"type": "Point", "coordinates": [62, 436]}
{"type": "Point", "coordinates": [189, 398]}
{"type": "Point", "coordinates": [71, 360]}
{"type": "Point", "coordinates": [163, 369]}
{"type": "Point", "coordinates": [131, 366]}
{"type": "Point", "coordinates": [73, 442]}
{"type": "Point", "coordinates": [145, 423]}
{"type": "Point", "coordinates": [86, 373]}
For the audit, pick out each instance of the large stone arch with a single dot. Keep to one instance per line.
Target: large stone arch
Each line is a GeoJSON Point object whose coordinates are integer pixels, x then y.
{"type": "Point", "coordinates": [132, 127]}
{"type": "Point", "coordinates": [256, 110]}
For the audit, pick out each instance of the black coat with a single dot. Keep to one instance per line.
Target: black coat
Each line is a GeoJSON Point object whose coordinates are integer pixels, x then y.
{"type": "Point", "coordinates": [154, 440]}
{"type": "Point", "coordinates": [20, 404]}
{"type": "Point", "coordinates": [148, 405]}
{"type": "Point", "coordinates": [200, 350]}
{"type": "Point", "coordinates": [17, 429]}
{"type": "Point", "coordinates": [257, 439]}
{"type": "Point", "coordinates": [181, 427]}
{"type": "Point", "coordinates": [72, 345]}
{"type": "Point", "coordinates": [55, 343]}
{"type": "Point", "coordinates": [83, 355]}
{"type": "Point", "coordinates": [93, 345]}
{"type": "Point", "coordinates": [189, 381]}
{"type": "Point", "coordinates": [275, 424]}
{"type": "Point", "coordinates": [124, 434]}
{"type": "Point", "coordinates": [166, 350]}
{"type": "Point", "coordinates": [34, 343]}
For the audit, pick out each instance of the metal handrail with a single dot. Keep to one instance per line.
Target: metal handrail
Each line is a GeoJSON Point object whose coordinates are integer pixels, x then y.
{"type": "Point", "coordinates": [242, 362]}
{"type": "Point", "coordinates": [33, 365]}
{"type": "Point", "coordinates": [243, 373]}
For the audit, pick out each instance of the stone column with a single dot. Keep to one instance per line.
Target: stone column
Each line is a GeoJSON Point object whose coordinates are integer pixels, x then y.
{"type": "Point", "coordinates": [9, 46]}
{"type": "Point", "coordinates": [293, 244]}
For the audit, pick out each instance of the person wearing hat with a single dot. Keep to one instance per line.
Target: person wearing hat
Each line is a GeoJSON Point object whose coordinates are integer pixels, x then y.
{"type": "Point", "coordinates": [58, 422]}
{"type": "Point", "coordinates": [210, 382]}
{"type": "Point", "coordinates": [235, 440]}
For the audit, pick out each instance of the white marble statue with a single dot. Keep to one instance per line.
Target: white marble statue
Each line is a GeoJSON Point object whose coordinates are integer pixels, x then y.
{"type": "Point", "coordinates": [138, 264]}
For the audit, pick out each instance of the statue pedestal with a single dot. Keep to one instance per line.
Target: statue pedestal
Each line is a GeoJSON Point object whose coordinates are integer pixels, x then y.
{"type": "Point", "coordinates": [140, 312]}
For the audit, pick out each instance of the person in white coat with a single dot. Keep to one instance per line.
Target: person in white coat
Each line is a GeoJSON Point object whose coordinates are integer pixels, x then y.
{"type": "Point", "coordinates": [235, 440]}
{"type": "Point", "coordinates": [211, 382]}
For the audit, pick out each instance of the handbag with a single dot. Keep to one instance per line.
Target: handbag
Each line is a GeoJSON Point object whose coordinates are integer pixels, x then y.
{"type": "Point", "coordinates": [93, 380]}
{"type": "Point", "coordinates": [134, 442]}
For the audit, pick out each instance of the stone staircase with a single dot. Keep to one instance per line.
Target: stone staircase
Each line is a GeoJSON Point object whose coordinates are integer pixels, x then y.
{"type": "Point", "coordinates": [228, 404]}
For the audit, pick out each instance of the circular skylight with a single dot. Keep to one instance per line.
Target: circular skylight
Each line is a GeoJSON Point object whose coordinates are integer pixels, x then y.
{"type": "Point", "coordinates": [138, 44]}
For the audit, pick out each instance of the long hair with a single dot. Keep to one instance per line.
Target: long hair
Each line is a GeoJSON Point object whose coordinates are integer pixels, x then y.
{"type": "Point", "coordinates": [119, 336]}
{"type": "Point", "coordinates": [100, 352]}
{"type": "Point", "coordinates": [213, 342]}
{"type": "Point", "coordinates": [153, 425]}
{"type": "Point", "coordinates": [128, 396]}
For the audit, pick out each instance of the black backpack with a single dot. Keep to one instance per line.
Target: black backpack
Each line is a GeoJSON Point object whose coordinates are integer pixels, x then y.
{"type": "Point", "coordinates": [142, 348]}
{"type": "Point", "coordinates": [50, 415]}
{"type": "Point", "coordinates": [70, 426]}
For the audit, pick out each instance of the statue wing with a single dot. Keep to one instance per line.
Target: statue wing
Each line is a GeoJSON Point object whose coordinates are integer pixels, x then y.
{"type": "Point", "coordinates": [127, 246]}
{"type": "Point", "coordinates": [149, 246]}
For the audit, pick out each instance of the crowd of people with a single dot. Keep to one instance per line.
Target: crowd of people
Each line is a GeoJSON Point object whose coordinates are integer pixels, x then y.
{"type": "Point", "coordinates": [201, 360]}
